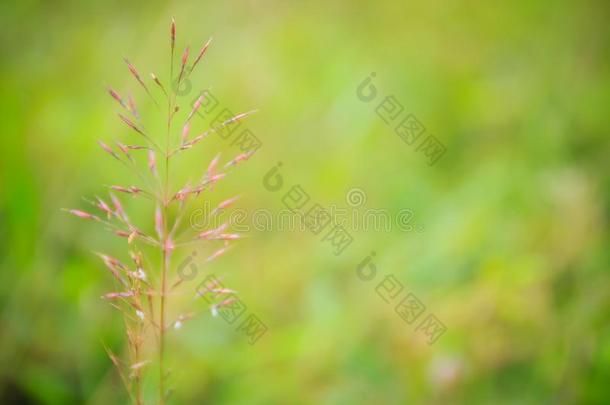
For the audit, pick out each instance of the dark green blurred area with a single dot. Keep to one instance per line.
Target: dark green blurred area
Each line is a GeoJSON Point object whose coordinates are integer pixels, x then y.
{"type": "Point", "coordinates": [514, 253]}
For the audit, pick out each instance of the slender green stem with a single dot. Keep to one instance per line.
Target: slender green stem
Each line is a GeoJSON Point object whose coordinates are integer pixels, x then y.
{"type": "Point", "coordinates": [165, 264]}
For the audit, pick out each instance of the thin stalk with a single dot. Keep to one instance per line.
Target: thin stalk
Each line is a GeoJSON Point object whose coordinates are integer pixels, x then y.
{"type": "Point", "coordinates": [166, 259]}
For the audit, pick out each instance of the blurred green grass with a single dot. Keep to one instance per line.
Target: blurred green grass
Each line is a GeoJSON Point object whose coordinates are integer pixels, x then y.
{"type": "Point", "coordinates": [513, 257]}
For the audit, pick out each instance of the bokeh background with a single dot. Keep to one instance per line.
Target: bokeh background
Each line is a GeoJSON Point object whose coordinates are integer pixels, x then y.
{"type": "Point", "coordinates": [510, 245]}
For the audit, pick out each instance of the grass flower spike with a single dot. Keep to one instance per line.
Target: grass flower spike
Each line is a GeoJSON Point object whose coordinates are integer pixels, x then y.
{"type": "Point", "coordinates": [142, 282]}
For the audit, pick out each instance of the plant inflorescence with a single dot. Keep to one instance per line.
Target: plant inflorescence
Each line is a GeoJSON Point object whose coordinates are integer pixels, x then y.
{"type": "Point", "coordinates": [145, 285]}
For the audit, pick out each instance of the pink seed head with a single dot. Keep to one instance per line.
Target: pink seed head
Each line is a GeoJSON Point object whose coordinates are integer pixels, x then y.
{"type": "Point", "coordinates": [107, 149]}
{"type": "Point", "coordinates": [116, 96]}
{"type": "Point", "coordinates": [201, 53]}
{"type": "Point", "coordinates": [212, 166]}
{"type": "Point", "coordinates": [101, 204]}
{"type": "Point", "coordinates": [209, 232]}
{"type": "Point", "coordinates": [123, 148]}
{"type": "Point", "coordinates": [159, 222]}
{"type": "Point", "coordinates": [132, 69]}
{"type": "Point", "coordinates": [238, 117]}
{"type": "Point", "coordinates": [185, 56]}
{"type": "Point", "coordinates": [217, 177]}
{"type": "Point", "coordinates": [185, 131]}
{"type": "Point", "coordinates": [117, 205]}
{"type": "Point", "coordinates": [227, 203]}
{"type": "Point", "coordinates": [216, 254]}
{"type": "Point", "coordinates": [172, 33]}
{"type": "Point", "coordinates": [129, 123]}
{"type": "Point", "coordinates": [132, 106]}
{"type": "Point", "coordinates": [83, 214]}
{"type": "Point", "coordinates": [152, 162]}
{"type": "Point", "coordinates": [239, 158]}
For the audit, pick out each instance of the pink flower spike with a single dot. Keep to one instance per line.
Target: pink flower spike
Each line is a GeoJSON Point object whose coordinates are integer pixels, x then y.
{"type": "Point", "coordinates": [83, 214]}
{"type": "Point", "coordinates": [159, 222]}
{"type": "Point", "coordinates": [136, 75]}
{"type": "Point", "coordinates": [116, 96]}
{"type": "Point", "coordinates": [132, 69]}
{"type": "Point", "coordinates": [172, 34]}
{"type": "Point", "coordinates": [239, 158]}
{"type": "Point", "coordinates": [132, 106]}
{"type": "Point", "coordinates": [185, 57]}
{"type": "Point", "coordinates": [201, 53]}
{"type": "Point", "coordinates": [118, 207]}
{"type": "Point", "coordinates": [136, 147]}
{"type": "Point", "coordinates": [217, 177]}
{"type": "Point", "coordinates": [195, 108]}
{"type": "Point", "coordinates": [108, 150]}
{"type": "Point", "coordinates": [212, 166]}
{"type": "Point", "coordinates": [130, 124]}
{"type": "Point", "coordinates": [223, 291]}
{"type": "Point", "coordinates": [125, 149]}
{"type": "Point", "coordinates": [127, 190]}
{"type": "Point", "coordinates": [216, 254]}
{"type": "Point", "coordinates": [238, 117]}
{"type": "Point", "coordinates": [185, 131]}
{"type": "Point", "coordinates": [101, 204]}
{"type": "Point", "coordinates": [152, 162]}
{"type": "Point", "coordinates": [183, 193]}
{"type": "Point", "coordinates": [228, 236]}
{"type": "Point", "coordinates": [205, 234]}
{"type": "Point", "coordinates": [226, 203]}
{"type": "Point", "coordinates": [114, 295]}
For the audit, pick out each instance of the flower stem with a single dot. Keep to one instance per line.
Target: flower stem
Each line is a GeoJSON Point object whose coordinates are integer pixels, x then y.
{"type": "Point", "coordinates": [165, 249]}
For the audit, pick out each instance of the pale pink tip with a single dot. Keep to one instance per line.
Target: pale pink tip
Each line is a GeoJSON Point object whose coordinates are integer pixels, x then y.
{"type": "Point", "coordinates": [238, 117]}
{"type": "Point", "coordinates": [217, 177]}
{"type": "Point", "coordinates": [185, 56]}
{"type": "Point", "coordinates": [195, 108]}
{"type": "Point", "coordinates": [101, 204]}
{"type": "Point", "coordinates": [83, 214]}
{"type": "Point", "coordinates": [127, 190]}
{"type": "Point", "coordinates": [212, 166]}
{"type": "Point", "coordinates": [183, 193]}
{"type": "Point", "coordinates": [239, 158]}
{"type": "Point", "coordinates": [113, 295]}
{"type": "Point", "coordinates": [132, 69]}
{"type": "Point", "coordinates": [117, 206]}
{"type": "Point", "coordinates": [130, 124]}
{"type": "Point", "coordinates": [132, 106]}
{"type": "Point", "coordinates": [228, 236]}
{"type": "Point", "coordinates": [116, 96]}
{"type": "Point", "coordinates": [152, 162]}
{"type": "Point", "coordinates": [216, 254]}
{"type": "Point", "coordinates": [202, 52]}
{"type": "Point", "coordinates": [185, 131]}
{"type": "Point", "coordinates": [108, 149]}
{"type": "Point", "coordinates": [227, 203]}
{"type": "Point", "coordinates": [206, 234]}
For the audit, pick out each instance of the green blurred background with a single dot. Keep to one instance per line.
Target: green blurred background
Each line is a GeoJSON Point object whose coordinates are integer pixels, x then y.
{"type": "Point", "coordinates": [513, 249]}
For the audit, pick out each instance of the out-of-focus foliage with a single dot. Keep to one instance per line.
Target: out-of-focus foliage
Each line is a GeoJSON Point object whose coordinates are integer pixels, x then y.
{"type": "Point", "coordinates": [512, 251]}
